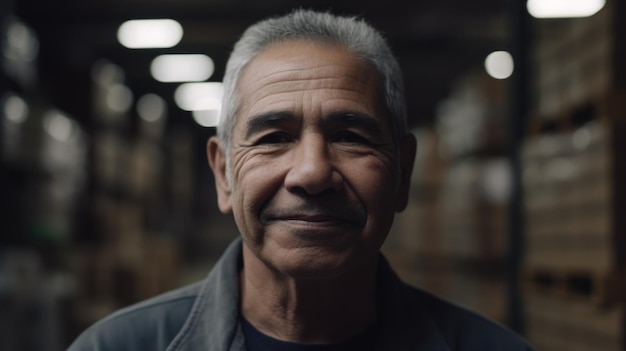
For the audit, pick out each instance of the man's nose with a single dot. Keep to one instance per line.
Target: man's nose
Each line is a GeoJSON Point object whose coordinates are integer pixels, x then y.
{"type": "Point", "coordinates": [313, 168]}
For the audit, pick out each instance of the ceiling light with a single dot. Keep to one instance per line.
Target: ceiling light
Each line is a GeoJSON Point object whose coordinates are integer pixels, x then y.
{"type": "Point", "coordinates": [151, 33]}
{"type": "Point", "coordinates": [563, 8]}
{"type": "Point", "coordinates": [106, 73]}
{"type": "Point", "coordinates": [207, 118]}
{"type": "Point", "coordinates": [59, 126]}
{"type": "Point", "coordinates": [499, 64]}
{"type": "Point", "coordinates": [151, 108]}
{"type": "Point", "coordinates": [21, 42]}
{"type": "Point", "coordinates": [15, 109]}
{"type": "Point", "coordinates": [199, 96]}
{"type": "Point", "coordinates": [182, 68]}
{"type": "Point", "coordinates": [119, 98]}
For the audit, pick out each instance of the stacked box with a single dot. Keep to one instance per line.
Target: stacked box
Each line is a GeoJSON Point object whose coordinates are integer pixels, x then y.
{"type": "Point", "coordinates": [555, 324]}
{"type": "Point", "coordinates": [480, 292]}
{"type": "Point", "coordinates": [416, 229]}
{"type": "Point", "coordinates": [574, 256]}
{"type": "Point", "coordinates": [567, 199]}
{"type": "Point", "coordinates": [571, 182]}
{"type": "Point", "coordinates": [469, 283]}
{"type": "Point", "coordinates": [475, 196]}
{"type": "Point", "coordinates": [117, 275]}
{"type": "Point", "coordinates": [457, 215]}
{"type": "Point", "coordinates": [573, 61]}
{"type": "Point", "coordinates": [574, 262]}
{"type": "Point", "coordinates": [127, 252]}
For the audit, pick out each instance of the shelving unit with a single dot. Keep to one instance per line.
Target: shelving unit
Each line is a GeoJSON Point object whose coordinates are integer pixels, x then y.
{"type": "Point", "coordinates": [41, 155]}
{"type": "Point", "coordinates": [452, 239]}
{"type": "Point", "coordinates": [573, 274]}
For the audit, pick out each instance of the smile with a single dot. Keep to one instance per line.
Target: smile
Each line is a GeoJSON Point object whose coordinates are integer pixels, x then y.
{"type": "Point", "coordinates": [318, 226]}
{"type": "Point", "coordinates": [340, 217]}
{"type": "Point", "coordinates": [313, 220]}
{"type": "Point", "coordinates": [315, 227]}
{"type": "Point", "coordinates": [319, 219]}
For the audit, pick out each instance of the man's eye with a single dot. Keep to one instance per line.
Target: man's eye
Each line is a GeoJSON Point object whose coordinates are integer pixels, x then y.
{"type": "Point", "coordinates": [351, 138]}
{"type": "Point", "coordinates": [274, 138]}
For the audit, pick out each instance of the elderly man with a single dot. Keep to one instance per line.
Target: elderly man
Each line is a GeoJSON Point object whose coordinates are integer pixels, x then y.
{"type": "Point", "coordinates": [313, 159]}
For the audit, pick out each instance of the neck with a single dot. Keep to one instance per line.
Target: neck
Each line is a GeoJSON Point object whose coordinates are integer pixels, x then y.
{"type": "Point", "coordinates": [310, 310]}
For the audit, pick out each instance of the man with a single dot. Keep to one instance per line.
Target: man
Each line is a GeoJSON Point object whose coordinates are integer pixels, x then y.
{"type": "Point", "coordinates": [313, 159]}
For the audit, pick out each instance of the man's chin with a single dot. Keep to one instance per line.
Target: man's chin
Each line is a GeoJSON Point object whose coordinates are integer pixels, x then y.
{"type": "Point", "coordinates": [310, 260]}
{"type": "Point", "coordinates": [319, 266]}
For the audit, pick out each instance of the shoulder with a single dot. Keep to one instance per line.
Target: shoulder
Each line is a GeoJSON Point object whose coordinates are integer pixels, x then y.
{"type": "Point", "coordinates": [466, 330]}
{"type": "Point", "coordinates": [444, 325]}
{"type": "Point", "coordinates": [148, 325]}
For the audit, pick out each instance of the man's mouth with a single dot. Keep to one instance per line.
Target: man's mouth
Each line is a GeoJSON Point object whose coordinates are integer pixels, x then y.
{"type": "Point", "coordinates": [316, 215]}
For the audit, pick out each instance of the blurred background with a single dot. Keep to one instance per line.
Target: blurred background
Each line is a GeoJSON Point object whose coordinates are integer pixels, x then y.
{"type": "Point", "coordinates": [516, 209]}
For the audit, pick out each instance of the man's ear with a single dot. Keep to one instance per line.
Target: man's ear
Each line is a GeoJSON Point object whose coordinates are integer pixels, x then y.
{"type": "Point", "coordinates": [216, 154]}
{"type": "Point", "coordinates": [408, 148]}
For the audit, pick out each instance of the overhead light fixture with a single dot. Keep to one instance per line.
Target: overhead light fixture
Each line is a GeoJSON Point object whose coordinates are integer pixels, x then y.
{"type": "Point", "coordinates": [499, 64]}
{"type": "Point", "coordinates": [203, 99]}
{"type": "Point", "coordinates": [150, 33]}
{"type": "Point", "coordinates": [199, 96]}
{"type": "Point", "coordinates": [106, 73]}
{"type": "Point", "coordinates": [119, 98]}
{"type": "Point", "coordinates": [21, 42]}
{"type": "Point", "coordinates": [59, 126]}
{"type": "Point", "coordinates": [564, 8]}
{"type": "Point", "coordinates": [182, 68]}
{"type": "Point", "coordinates": [207, 118]}
{"type": "Point", "coordinates": [151, 108]}
{"type": "Point", "coordinates": [15, 109]}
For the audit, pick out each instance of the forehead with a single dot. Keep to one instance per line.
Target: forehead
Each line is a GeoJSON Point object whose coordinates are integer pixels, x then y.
{"type": "Point", "coordinates": [305, 53]}
{"type": "Point", "coordinates": [286, 71]}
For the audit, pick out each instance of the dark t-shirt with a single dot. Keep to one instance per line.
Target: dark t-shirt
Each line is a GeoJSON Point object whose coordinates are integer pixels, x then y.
{"type": "Point", "coordinates": [257, 341]}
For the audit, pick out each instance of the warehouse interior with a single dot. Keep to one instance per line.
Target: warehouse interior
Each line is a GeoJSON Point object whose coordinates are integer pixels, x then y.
{"type": "Point", "coordinates": [516, 207]}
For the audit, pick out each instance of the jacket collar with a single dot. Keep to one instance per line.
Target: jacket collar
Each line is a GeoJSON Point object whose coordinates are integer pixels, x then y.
{"type": "Point", "coordinates": [404, 318]}
{"type": "Point", "coordinates": [213, 323]}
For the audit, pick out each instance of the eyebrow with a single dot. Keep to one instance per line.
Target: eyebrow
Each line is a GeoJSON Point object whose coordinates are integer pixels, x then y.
{"type": "Point", "coordinates": [372, 125]}
{"type": "Point", "coordinates": [267, 120]}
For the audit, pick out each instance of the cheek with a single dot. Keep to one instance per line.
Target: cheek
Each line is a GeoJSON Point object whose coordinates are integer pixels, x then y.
{"type": "Point", "coordinates": [256, 181]}
{"type": "Point", "coordinates": [374, 184]}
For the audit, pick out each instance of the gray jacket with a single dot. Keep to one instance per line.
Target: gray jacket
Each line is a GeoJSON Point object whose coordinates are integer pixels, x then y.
{"type": "Point", "coordinates": [205, 316]}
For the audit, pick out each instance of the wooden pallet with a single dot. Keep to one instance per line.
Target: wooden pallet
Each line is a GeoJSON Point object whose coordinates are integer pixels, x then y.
{"type": "Point", "coordinates": [599, 288]}
{"type": "Point", "coordinates": [556, 324]}
{"type": "Point", "coordinates": [606, 106]}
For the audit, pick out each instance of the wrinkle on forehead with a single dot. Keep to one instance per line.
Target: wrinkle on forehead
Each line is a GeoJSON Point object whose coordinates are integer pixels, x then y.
{"type": "Point", "coordinates": [294, 77]}
{"type": "Point", "coordinates": [286, 71]}
{"type": "Point", "coordinates": [302, 70]}
{"type": "Point", "coordinates": [307, 73]}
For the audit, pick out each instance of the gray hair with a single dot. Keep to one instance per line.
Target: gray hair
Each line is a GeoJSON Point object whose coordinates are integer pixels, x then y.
{"type": "Point", "coordinates": [354, 34]}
